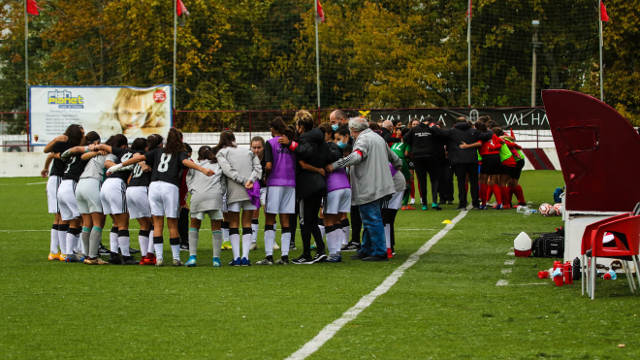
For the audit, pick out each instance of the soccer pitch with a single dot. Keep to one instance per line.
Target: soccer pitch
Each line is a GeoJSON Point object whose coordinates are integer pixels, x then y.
{"type": "Point", "coordinates": [446, 306]}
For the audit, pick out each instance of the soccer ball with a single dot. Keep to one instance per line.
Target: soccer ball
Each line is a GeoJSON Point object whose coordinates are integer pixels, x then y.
{"type": "Point", "coordinates": [558, 209]}
{"type": "Point", "coordinates": [544, 209]}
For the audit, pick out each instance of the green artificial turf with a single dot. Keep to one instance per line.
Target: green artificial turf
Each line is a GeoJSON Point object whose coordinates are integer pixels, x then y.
{"type": "Point", "coordinates": [446, 306]}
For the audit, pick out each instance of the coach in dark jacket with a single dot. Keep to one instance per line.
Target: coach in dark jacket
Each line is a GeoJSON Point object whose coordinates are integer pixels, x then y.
{"type": "Point", "coordinates": [464, 161]}
{"type": "Point", "coordinates": [427, 154]}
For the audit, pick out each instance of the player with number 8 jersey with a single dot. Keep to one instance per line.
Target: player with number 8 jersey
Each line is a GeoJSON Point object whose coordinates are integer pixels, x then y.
{"type": "Point", "coordinates": [167, 165]}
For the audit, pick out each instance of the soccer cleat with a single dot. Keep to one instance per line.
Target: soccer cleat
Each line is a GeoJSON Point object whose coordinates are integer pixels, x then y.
{"type": "Point", "coordinates": [404, 207]}
{"type": "Point", "coordinates": [73, 258]}
{"type": "Point", "coordinates": [245, 262]}
{"type": "Point", "coordinates": [254, 246]}
{"type": "Point", "coordinates": [226, 245]}
{"type": "Point", "coordinates": [409, 207]}
{"type": "Point", "coordinates": [424, 207]}
{"type": "Point", "coordinates": [115, 258]}
{"type": "Point", "coordinates": [335, 258]}
{"type": "Point", "coordinates": [235, 262]}
{"type": "Point", "coordinates": [301, 260]}
{"type": "Point", "coordinates": [284, 260]}
{"type": "Point", "coordinates": [389, 253]}
{"type": "Point", "coordinates": [103, 250]}
{"type": "Point", "coordinates": [435, 206]}
{"type": "Point", "coordinates": [351, 246]}
{"type": "Point", "coordinates": [184, 248]}
{"type": "Point", "coordinates": [62, 257]}
{"type": "Point", "coordinates": [266, 261]}
{"type": "Point", "coordinates": [177, 262]}
{"type": "Point", "coordinates": [129, 260]}
{"type": "Point", "coordinates": [412, 201]}
{"type": "Point", "coordinates": [191, 262]}
{"type": "Point", "coordinates": [159, 262]}
{"type": "Point", "coordinates": [54, 257]}
{"type": "Point", "coordinates": [95, 261]}
{"type": "Point", "coordinates": [143, 260]}
{"type": "Point", "coordinates": [150, 259]}
{"type": "Point", "coordinates": [216, 262]}
{"type": "Point", "coordinates": [275, 246]}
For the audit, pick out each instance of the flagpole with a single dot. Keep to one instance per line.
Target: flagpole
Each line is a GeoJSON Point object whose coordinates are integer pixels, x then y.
{"type": "Point", "coordinates": [600, 46]}
{"type": "Point", "coordinates": [469, 54]}
{"type": "Point", "coordinates": [317, 55]}
{"type": "Point", "coordinates": [26, 57]}
{"type": "Point", "coordinates": [175, 50]}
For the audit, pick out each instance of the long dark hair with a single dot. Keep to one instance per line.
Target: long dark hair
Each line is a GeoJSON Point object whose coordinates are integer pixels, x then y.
{"type": "Point", "coordinates": [139, 145]}
{"type": "Point", "coordinates": [174, 142]}
{"type": "Point", "coordinates": [278, 125]}
{"type": "Point", "coordinates": [226, 139]}
{"type": "Point", "coordinates": [205, 153]}
{"type": "Point", "coordinates": [75, 134]}
{"type": "Point", "coordinates": [154, 141]}
{"type": "Point", "coordinates": [92, 137]}
{"type": "Point", "coordinates": [117, 140]}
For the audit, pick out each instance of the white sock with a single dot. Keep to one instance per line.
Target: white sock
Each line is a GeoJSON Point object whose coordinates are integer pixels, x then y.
{"type": "Point", "coordinates": [331, 242]}
{"type": "Point", "coordinates": [246, 245]}
{"type": "Point", "coordinates": [158, 248]}
{"type": "Point", "coordinates": [151, 249]}
{"type": "Point", "coordinates": [84, 243]}
{"type": "Point", "coordinates": [254, 232]}
{"type": "Point", "coordinates": [225, 234]}
{"type": "Point", "coordinates": [124, 243]}
{"type": "Point", "coordinates": [322, 231]}
{"type": "Point", "coordinates": [53, 244]}
{"type": "Point", "coordinates": [193, 241]}
{"type": "Point", "coordinates": [76, 242]}
{"type": "Point", "coordinates": [387, 235]}
{"type": "Point", "coordinates": [62, 241]}
{"type": "Point", "coordinates": [175, 251]}
{"type": "Point", "coordinates": [113, 241]}
{"type": "Point", "coordinates": [285, 240]}
{"type": "Point", "coordinates": [69, 244]}
{"type": "Point", "coordinates": [144, 244]}
{"type": "Point", "coordinates": [346, 230]}
{"type": "Point", "coordinates": [216, 242]}
{"type": "Point", "coordinates": [235, 244]}
{"type": "Point", "coordinates": [269, 238]}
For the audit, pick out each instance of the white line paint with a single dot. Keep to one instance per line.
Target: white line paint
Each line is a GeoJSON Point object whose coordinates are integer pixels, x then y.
{"type": "Point", "coordinates": [331, 329]}
{"type": "Point", "coordinates": [509, 262]}
{"type": "Point", "coordinates": [502, 283]}
{"type": "Point", "coordinates": [505, 271]}
{"type": "Point", "coordinates": [37, 183]}
{"type": "Point", "coordinates": [511, 253]}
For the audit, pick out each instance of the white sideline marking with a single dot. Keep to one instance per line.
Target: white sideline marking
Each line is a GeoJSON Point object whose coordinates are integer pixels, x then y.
{"type": "Point", "coordinates": [511, 253]}
{"type": "Point", "coordinates": [502, 283]}
{"type": "Point", "coordinates": [36, 183]}
{"type": "Point", "coordinates": [509, 262]}
{"type": "Point", "coordinates": [331, 329]}
{"type": "Point", "coordinates": [505, 271]}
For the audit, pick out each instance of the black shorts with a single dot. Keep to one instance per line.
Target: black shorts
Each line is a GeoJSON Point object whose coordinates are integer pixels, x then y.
{"type": "Point", "coordinates": [491, 165]}
{"type": "Point", "coordinates": [517, 171]}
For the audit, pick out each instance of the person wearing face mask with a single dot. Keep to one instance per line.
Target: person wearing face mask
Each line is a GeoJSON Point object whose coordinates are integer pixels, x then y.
{"type": "Point", "coordinates": [311, 150]}
{"type": "Point", "coordinates": [338, 119]}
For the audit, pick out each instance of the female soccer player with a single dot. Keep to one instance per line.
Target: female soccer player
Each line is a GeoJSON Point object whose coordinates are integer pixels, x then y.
{"type": "Point", "coordinates": [72, 137]}
{"type": "Point", "coordinates": [206, 199]}
{"type": "Point", "coordinates": [88, 199]}
{"type": "Point", "coordinates": [166, 165]}
{"type": "Point", "coordinates": [112, 196]}
{"type": "Point", "coordinates": [280, 166]}
{"type": "Point", "coordinates": [137, 196]}
{"type": "Point", "coordinates": [242, 170]}
{"type": "Point", "coordinates": [257, 148]}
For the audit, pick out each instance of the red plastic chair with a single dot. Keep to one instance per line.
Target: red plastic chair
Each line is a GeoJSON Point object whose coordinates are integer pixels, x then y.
{"type": "Point", "coordinates": [626, 232]}
{"type": "Point", "coordinates": [586, 246]}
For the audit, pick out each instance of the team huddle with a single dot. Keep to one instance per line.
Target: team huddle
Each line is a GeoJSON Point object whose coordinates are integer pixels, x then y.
{"type": "Point", "coordinates": [303, 173]}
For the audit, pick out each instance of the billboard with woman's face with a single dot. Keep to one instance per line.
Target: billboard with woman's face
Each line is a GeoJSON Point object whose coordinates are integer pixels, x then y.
{"type": "Point", "coordinates": [131, 111]}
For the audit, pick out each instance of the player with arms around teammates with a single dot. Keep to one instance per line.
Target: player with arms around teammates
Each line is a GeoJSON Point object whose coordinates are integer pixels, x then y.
{"type": "Point", "coordinates": [166, 164]}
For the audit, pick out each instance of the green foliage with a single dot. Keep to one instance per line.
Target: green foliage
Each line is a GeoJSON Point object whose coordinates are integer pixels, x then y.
{"type": "Point", "coordinates": [244, 54]}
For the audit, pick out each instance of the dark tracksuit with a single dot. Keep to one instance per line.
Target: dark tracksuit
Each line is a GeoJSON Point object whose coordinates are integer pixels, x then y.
{"type": "Point", "coordinates": [427, 154]}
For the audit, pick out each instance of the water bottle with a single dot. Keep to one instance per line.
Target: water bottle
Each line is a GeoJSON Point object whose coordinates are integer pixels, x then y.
{"type": "Point", "coordinates": [530, 211]}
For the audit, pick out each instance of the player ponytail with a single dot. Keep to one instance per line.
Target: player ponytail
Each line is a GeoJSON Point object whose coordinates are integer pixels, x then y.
{"type": "Point", "coordinates": [174, 142]}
